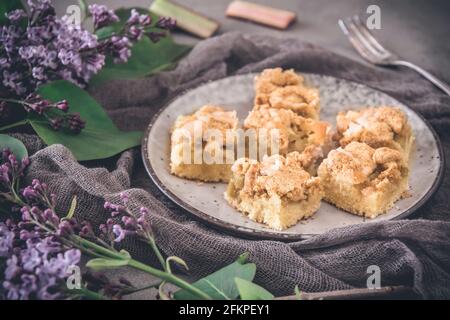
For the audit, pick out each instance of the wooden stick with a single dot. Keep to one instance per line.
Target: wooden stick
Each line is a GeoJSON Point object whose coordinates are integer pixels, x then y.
{"type": "Point", "coordinates": [395, 292]}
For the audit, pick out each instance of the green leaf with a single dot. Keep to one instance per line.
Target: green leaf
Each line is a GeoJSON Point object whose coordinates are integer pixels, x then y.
{"type": "Point", "coordinates": [98, 140]}
{"type": "Point", "coordinates": [101, 264]}
{"type": "Point", "coordinates": [73, 206]}
{"type": "Point", "coordinates": [14, 145]}
{"type": "Point", "coordinates": [220, 285]}
{"type": "Point", "coordinates": [147, 58]}
{"type": "Point", "coordinates": [177, 260]}
{"type": "Point", "coordinates": [251, 291]}
{"type": "Point", "coordinates": [8, 6]}
{"type": "Point", "coordinates": [125, 253]}
{"type": "Point", "coordinates": [243, 258]}
{"type": "Point", "coordinates": [162, 294]}
{"type": "Point", "coordinates": [84, 8]}
{"type": "Point", "coordinates": [298, 294]}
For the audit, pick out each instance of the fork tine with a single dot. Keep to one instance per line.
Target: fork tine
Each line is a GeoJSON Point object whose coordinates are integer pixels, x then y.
{"type": "Point", "coordinates": [365, 31]}
{"type": "Point", "coordinates": [354, 40]}
{"type": "Point", "coordinates": [352, 27]}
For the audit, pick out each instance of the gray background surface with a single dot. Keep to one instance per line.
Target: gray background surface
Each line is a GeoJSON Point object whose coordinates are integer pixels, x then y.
{"type": "Point", "coordinates": [417, 30]}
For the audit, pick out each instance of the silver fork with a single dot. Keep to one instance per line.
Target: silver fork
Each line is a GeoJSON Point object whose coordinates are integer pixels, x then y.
{"type": "Point", "coordinates": [371, 50]}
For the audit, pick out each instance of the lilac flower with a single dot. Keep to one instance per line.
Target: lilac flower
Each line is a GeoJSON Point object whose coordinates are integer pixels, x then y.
{"type": "Point", "coordinates": [12, 268]}
{"type": "Point", "coordinates": [49, 48]}
{"type": "Point", "coordinates": [86, 231]}
{"type": "Point", "coordinates": [36, 268]}
{"type": "Point", "coordinates": [10, 169]}
{"type": "Point", "coordinates": [12, 81]}
{"type": "Point", "coordinates": [6, 240]}
{"type": "Point", "coordinates": [135, 33]}
{"type": "Point", "coordinates": [16, 15]}
{"type": "Point", "coordinates": [156, 36]}
{"type": "Point", "coordinates": [166, 23]}
{"type": "Point", "coordinates": [37, 193]}
{"type": "Point", "coordinates": [119, 232]}
{"type": "Point", "coordinates": [37, 252]}
{"type": "Point", "coordinates": [26, 214]}
{"type": "Point", "coordinates": [31, 259]}
{"type": "Point", "coordinates": [29, 193]}
{"type": "Point", "coordinates": [75, 123]}
{"type": "Point", "coordinates": [102, 16]}
{"type": "Point", "coordinates": [124, 197]}
{"type": "Point", "coordinates": [115, 209]}
{"type": "Point", "coordinates": [65, 229]}
{"type": "Point", "coordinates": [134, 18]}
{"type": "Point", "coordinates": [4, 174]}
{"type": "Point", "coordinates": [131, 223]}
{"type": "Point", "coordinates": [136, 24]}
{"type": "Point", "coordinates": [120, 49]}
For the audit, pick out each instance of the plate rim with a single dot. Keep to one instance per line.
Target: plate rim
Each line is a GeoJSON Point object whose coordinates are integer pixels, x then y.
{"type": "Point", "coordinates": [268, 235]}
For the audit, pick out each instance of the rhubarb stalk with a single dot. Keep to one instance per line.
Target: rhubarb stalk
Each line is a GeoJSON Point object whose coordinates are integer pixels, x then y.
{"type": "Point", "coordinates": [272, 17]}
{"type": "Point", "coordinates": [187, 19]}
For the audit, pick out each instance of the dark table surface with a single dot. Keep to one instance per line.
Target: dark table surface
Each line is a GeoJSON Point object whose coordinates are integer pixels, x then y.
{"type": "Point", "coordinates": [417, 30]}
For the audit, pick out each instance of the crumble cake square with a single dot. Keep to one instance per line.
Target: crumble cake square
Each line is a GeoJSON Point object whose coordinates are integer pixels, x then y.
{"type": "Point", "coordinates": [188, 134]}
{"type": "Point", "coordinates": [295, 133]}
{"type": "Point", "coordinates": [363, 180]}
{"type": "Point", "coordinates": [276, 191]}
{"type": "Point", "coordinates": [280, 89]}
{"type": "Point", "coordinates": [376, 126]}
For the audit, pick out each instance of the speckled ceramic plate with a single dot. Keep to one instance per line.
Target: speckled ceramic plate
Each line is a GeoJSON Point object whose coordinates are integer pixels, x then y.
{"type": "Point", "coordinates": [205, 200]}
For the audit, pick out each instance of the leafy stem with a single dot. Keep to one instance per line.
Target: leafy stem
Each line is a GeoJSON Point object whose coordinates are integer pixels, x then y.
{"type": "Point", "coordinates": [15, 124]}
{"type": "Point", "coordinates": [86, 293]}
{"type": "Point", "coordinates": [151, 241]}
{"type": "Point", "coordinates": [164, 275]}
{"type": "Point", "coordinates": [168, 277]}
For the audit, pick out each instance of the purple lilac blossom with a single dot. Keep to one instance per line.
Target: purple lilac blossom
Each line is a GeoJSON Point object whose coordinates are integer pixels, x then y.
{"type": "Point", "coordinates": [34, 257]}
{"type": "Point", "coordinates": [51, 48]}
{"type": "Point", "coordinates": [38, 270]}
{"type": "Point", "coordinates": [130, 223]}
{"type": "Point", "coordinates": [35, 264]}
{"type": "Point", "coordinates": [102, 16]}
{"type": "Point", "coordinates": [10, 168]}
{"type": "Point", "coordinates": [6, 240]}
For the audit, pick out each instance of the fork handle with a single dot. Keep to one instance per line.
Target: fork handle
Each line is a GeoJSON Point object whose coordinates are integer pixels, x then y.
{"type": "Point", "coordinates": [438, 83]}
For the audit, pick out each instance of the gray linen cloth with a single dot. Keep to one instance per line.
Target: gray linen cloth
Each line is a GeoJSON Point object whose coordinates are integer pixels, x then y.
{"type": "Point", "coordinates": [414, 253]}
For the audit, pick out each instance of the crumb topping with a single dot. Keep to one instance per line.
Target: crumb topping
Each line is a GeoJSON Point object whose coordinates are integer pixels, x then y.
{"type": "Point", "coordinates": [207, 117]}
{"type": "Point", "coordinates": [374, 126]}
{"type": "Point", "coordinates": [280, 89]}
{"type": "Point", "coordinates": [211, 117]}
{"type": "Point", "coordinates": [290, 125]}
{"type": "Point", "coordinates": [359, 163]}
{"type": "Point", "coordinates": [307, 157]}
{"type": "Point", "coordinates": [275, 175]}
{"type": "Point", "coordinates": [272, 79]}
